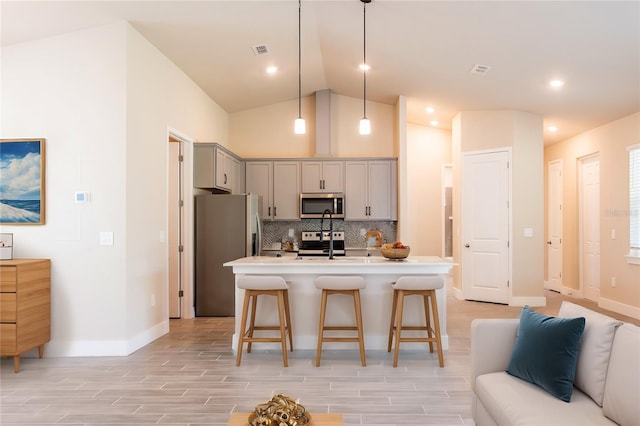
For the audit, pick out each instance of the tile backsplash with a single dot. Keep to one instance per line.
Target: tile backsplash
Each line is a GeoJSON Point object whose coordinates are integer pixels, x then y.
{"type": "Point", "coordinates": [278, 231]}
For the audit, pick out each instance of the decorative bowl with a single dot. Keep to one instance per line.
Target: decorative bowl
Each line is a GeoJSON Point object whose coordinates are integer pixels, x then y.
{"type": "Point", "coordinates": [395, 253]}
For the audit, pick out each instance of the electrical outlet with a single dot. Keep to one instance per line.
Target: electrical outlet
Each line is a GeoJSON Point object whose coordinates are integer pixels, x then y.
{"type": "Point", "coordinates": [613, 281]}
{"type": "Point", "coordinates": [363, 232]}
{"type": "Point", "coordinates": [153, 300]}
{"type": "Point", "coordinates": [613, 234]}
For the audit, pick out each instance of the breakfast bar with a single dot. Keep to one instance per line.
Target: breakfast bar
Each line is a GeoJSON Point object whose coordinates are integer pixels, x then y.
{"type": "Point", "coordinates": [304, 298]}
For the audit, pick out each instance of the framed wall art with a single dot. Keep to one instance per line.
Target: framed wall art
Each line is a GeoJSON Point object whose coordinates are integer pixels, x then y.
{"type": "Point", "coordinates": [22, 179]}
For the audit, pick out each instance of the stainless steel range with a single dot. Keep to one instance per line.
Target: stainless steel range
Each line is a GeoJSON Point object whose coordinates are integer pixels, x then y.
{"type": "Point", "coordinates": [316, 243]}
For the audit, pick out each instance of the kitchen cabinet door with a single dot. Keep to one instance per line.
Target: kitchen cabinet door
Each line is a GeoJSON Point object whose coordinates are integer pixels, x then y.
{"type": "Point", "coordinates": [259, 180]}
{"type": "Point", "coordinates": [379, 190]}
{"type": "Point", "coordinates": [356, 190]}
{"type": "Point", "coordinates": [286, 190]}
{"type": "Point", "coordinates": [224, 170]}
{"type": "Point", "coordinates": [370, 190]}
{"type": "Point", "coordinates": [238, 174]}
{"type": "Point", "coordinates": [322, 176]}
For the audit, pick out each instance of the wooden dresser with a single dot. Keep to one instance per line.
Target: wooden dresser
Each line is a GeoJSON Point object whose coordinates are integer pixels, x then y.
{"type": "Point", "coordinates": [25, 307]}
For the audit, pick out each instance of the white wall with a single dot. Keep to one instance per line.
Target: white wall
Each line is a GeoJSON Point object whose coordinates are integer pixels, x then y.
{"type": "Point", "coordinates": [522, 133]}
{"type": "Point", "coordinates": [428, 149]}
{"type": "Point", "coordinates": [71, 90]}
{"type": "Point", "coordinates": [267, 132]}
{"type": "Point", "coordinates": [103, 98]}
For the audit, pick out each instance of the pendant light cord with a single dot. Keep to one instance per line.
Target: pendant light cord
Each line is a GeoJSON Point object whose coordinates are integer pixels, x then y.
{"type": "Point", "coordinates": [364, 57]}
{"type": "Point", "coordinates": [299, 60]}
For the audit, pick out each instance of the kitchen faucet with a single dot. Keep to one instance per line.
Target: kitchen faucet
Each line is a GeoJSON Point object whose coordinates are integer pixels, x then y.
{"type": "Point", "coordinates": [330, 231]}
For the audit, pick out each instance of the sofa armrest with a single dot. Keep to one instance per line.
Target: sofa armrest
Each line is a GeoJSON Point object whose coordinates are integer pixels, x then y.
{"type": "Point", "coordinates": [492, 341]}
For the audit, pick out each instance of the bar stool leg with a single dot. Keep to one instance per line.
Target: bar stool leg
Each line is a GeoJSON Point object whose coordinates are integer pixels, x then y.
{"type": "Point", "coordinates": [243, 325]}
{"type": "Point", "coordinates": [436, 323]}
{"type": "Point", "coordinates": [287, 312]}
{"type": "Point", "coordinates": [427, 314]}
{"type": "Point", "coordinates": [323, 311]}
{"type": "Point", "coordinates": [283, 333]}
{"type": "Point", "coordinates": [252, 323]}
{"type": "Point", "coordinates": [398, 327]}
{"type": "Point", "coordinates": [358, 309]}
{"type": "Point", "coordinates": [393, 318]}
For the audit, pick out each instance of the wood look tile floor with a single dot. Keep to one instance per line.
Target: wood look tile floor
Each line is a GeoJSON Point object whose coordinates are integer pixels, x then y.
{"type": "Point", "coordinates": [189, 377]}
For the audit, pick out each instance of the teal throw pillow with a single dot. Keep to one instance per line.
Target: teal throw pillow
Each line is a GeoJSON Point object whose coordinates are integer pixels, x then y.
{"type": "Point", "coordinates": [546, 352]}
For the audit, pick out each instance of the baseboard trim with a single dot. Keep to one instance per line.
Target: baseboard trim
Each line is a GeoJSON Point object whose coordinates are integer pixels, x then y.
{"type": "Point", "coordinates": [80, 348]}
{"type": "Point", "coordinates": [529, 301]}
{"type": "Point", "coordinates": [457, 293]}
{"type": "Point", "coordinates": [620, 308]}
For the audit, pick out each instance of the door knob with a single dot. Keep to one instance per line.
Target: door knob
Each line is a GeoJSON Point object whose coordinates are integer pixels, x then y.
{"type": "Point", "coordinates": [549, 242]}
{"type": "Point", "coordinates": [467, 245]}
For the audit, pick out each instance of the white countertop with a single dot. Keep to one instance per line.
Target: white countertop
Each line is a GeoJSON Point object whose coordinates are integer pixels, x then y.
{"type": "Point", "coordinates": [340, 265]}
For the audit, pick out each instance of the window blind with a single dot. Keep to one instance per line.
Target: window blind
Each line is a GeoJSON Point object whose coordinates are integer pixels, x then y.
{"type": "Point", "coordinates": [634, 196]}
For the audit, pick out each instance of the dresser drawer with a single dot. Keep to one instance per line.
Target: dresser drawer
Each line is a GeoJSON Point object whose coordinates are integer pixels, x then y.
{"type": "Point", "coordinates": [8, 339]}
{"type": "Point", "coordinates": [8, 278]}
{"type": "Point", "coordinates": [8, 307]}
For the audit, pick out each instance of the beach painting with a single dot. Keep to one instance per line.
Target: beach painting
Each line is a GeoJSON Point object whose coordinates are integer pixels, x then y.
{"type": "Point", "coordinates": [22, 181]}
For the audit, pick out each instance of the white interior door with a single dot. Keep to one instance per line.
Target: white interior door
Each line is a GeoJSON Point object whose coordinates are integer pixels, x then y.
{"type": "Point", "coordinates": [176, 224]}
{"type": "Point", "coordinates": [554, 226]}
{"type": "Point", "coordinates": [485, 227]}
{"type": "Point", "coordinates": [590, 226]}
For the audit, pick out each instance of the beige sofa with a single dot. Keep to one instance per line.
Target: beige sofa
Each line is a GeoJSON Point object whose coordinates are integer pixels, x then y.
{"type": "Point", "coordinates": [606, 386]}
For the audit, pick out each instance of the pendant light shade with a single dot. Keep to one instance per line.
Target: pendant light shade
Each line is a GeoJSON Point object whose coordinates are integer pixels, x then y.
{"type": "Point", "coordinates": [299, 126]}
{"type": "Point", "coordinates": [365, 124]}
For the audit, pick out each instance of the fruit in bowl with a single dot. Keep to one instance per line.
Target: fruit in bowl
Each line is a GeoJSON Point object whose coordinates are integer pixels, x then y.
{"type": "Point", "coordinates": [395, 250]}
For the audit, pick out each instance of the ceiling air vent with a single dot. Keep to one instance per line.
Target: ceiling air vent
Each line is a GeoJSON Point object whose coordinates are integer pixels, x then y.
{"type": "Point", "coordinates": [480, 69]}
{"type": "Point", "coordinates": [260, 49]}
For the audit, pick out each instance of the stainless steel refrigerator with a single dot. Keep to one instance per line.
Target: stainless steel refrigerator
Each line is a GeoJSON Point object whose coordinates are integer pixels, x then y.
{"type": "Point", "coordinates": [227, 227]}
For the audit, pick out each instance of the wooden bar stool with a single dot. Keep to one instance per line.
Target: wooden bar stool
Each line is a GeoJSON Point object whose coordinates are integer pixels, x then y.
{"type": "Point", "coordinates": [349, 285]}
{"type": "Point", "coordinates": [425, 286]}
{"type": "Point", "coordinates": [264, 285]}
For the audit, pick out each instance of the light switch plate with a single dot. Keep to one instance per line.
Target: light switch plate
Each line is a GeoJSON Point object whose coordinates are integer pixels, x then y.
{"type": "Point", "coordinates": [106, 238]}
{"type": "Point", "coordinates": [528, 232]}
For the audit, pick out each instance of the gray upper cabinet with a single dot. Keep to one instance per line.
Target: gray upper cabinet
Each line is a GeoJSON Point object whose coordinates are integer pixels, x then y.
{"type": "Point", "coordinates": [371, 190]}
{"type": "Point", "coordinates": [322, 176]}
{"type": "Point", "coordinates": [215, 168]}
{"type": "Point", "coordinates": [278, 182]}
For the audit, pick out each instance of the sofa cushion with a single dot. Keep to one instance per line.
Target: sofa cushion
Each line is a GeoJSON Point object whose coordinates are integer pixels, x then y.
{"type": "Point", "coordinates": [546, 352]}
{"type": "Point", "coordinates": [511, 401]}
{"type": "Point", "coordinates": [595, 350]}
{"type": "Point", "coordinates": [622, 388]}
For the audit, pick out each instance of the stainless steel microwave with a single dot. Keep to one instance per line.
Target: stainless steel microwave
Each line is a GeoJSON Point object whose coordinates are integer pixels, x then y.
{"type": "Point", "coordinates": [313, 204]}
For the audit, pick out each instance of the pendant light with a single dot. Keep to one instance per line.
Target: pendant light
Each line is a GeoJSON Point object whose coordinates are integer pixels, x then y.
{"type": "Point", "coordinates": [365, 124]}
{"type": "Point", "coordinates": [299, 126]}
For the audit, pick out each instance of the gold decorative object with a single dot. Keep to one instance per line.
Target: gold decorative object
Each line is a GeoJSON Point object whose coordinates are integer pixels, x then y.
{"type": "Point", "coordinates": [280, 411]}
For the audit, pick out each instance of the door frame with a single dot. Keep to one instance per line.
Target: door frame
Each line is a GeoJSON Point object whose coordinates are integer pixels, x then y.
{"type": "Point", "coordinates": [447, 182]}
{"type": "Point", "coordinates": [186, 272]}
{"type": "Point", "coordinates": [549, 284]}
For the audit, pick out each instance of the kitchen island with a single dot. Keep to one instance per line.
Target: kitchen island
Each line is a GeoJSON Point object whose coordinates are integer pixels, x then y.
{"type": "Point", "coordinates": [304, 298]}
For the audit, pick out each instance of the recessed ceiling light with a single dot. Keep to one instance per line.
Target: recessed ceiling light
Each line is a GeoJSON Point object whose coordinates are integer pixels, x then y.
{"type": "Point", "coordinates": [556, 83]}
{"type": "Point", "coordinates": [552, 128]}
{"type": "Point", "coordinates": [272, 69]}
{"type": "Point", "coordinates": [434, 122]}
{"type": "Point", "coordinates": [430, 110]}
{"type": "Point", "coordinates": [365, 67]}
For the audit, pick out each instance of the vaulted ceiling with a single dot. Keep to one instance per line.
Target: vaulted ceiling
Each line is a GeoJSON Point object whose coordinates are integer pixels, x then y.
{"type": "Point", "coordinates": [424, 50]}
